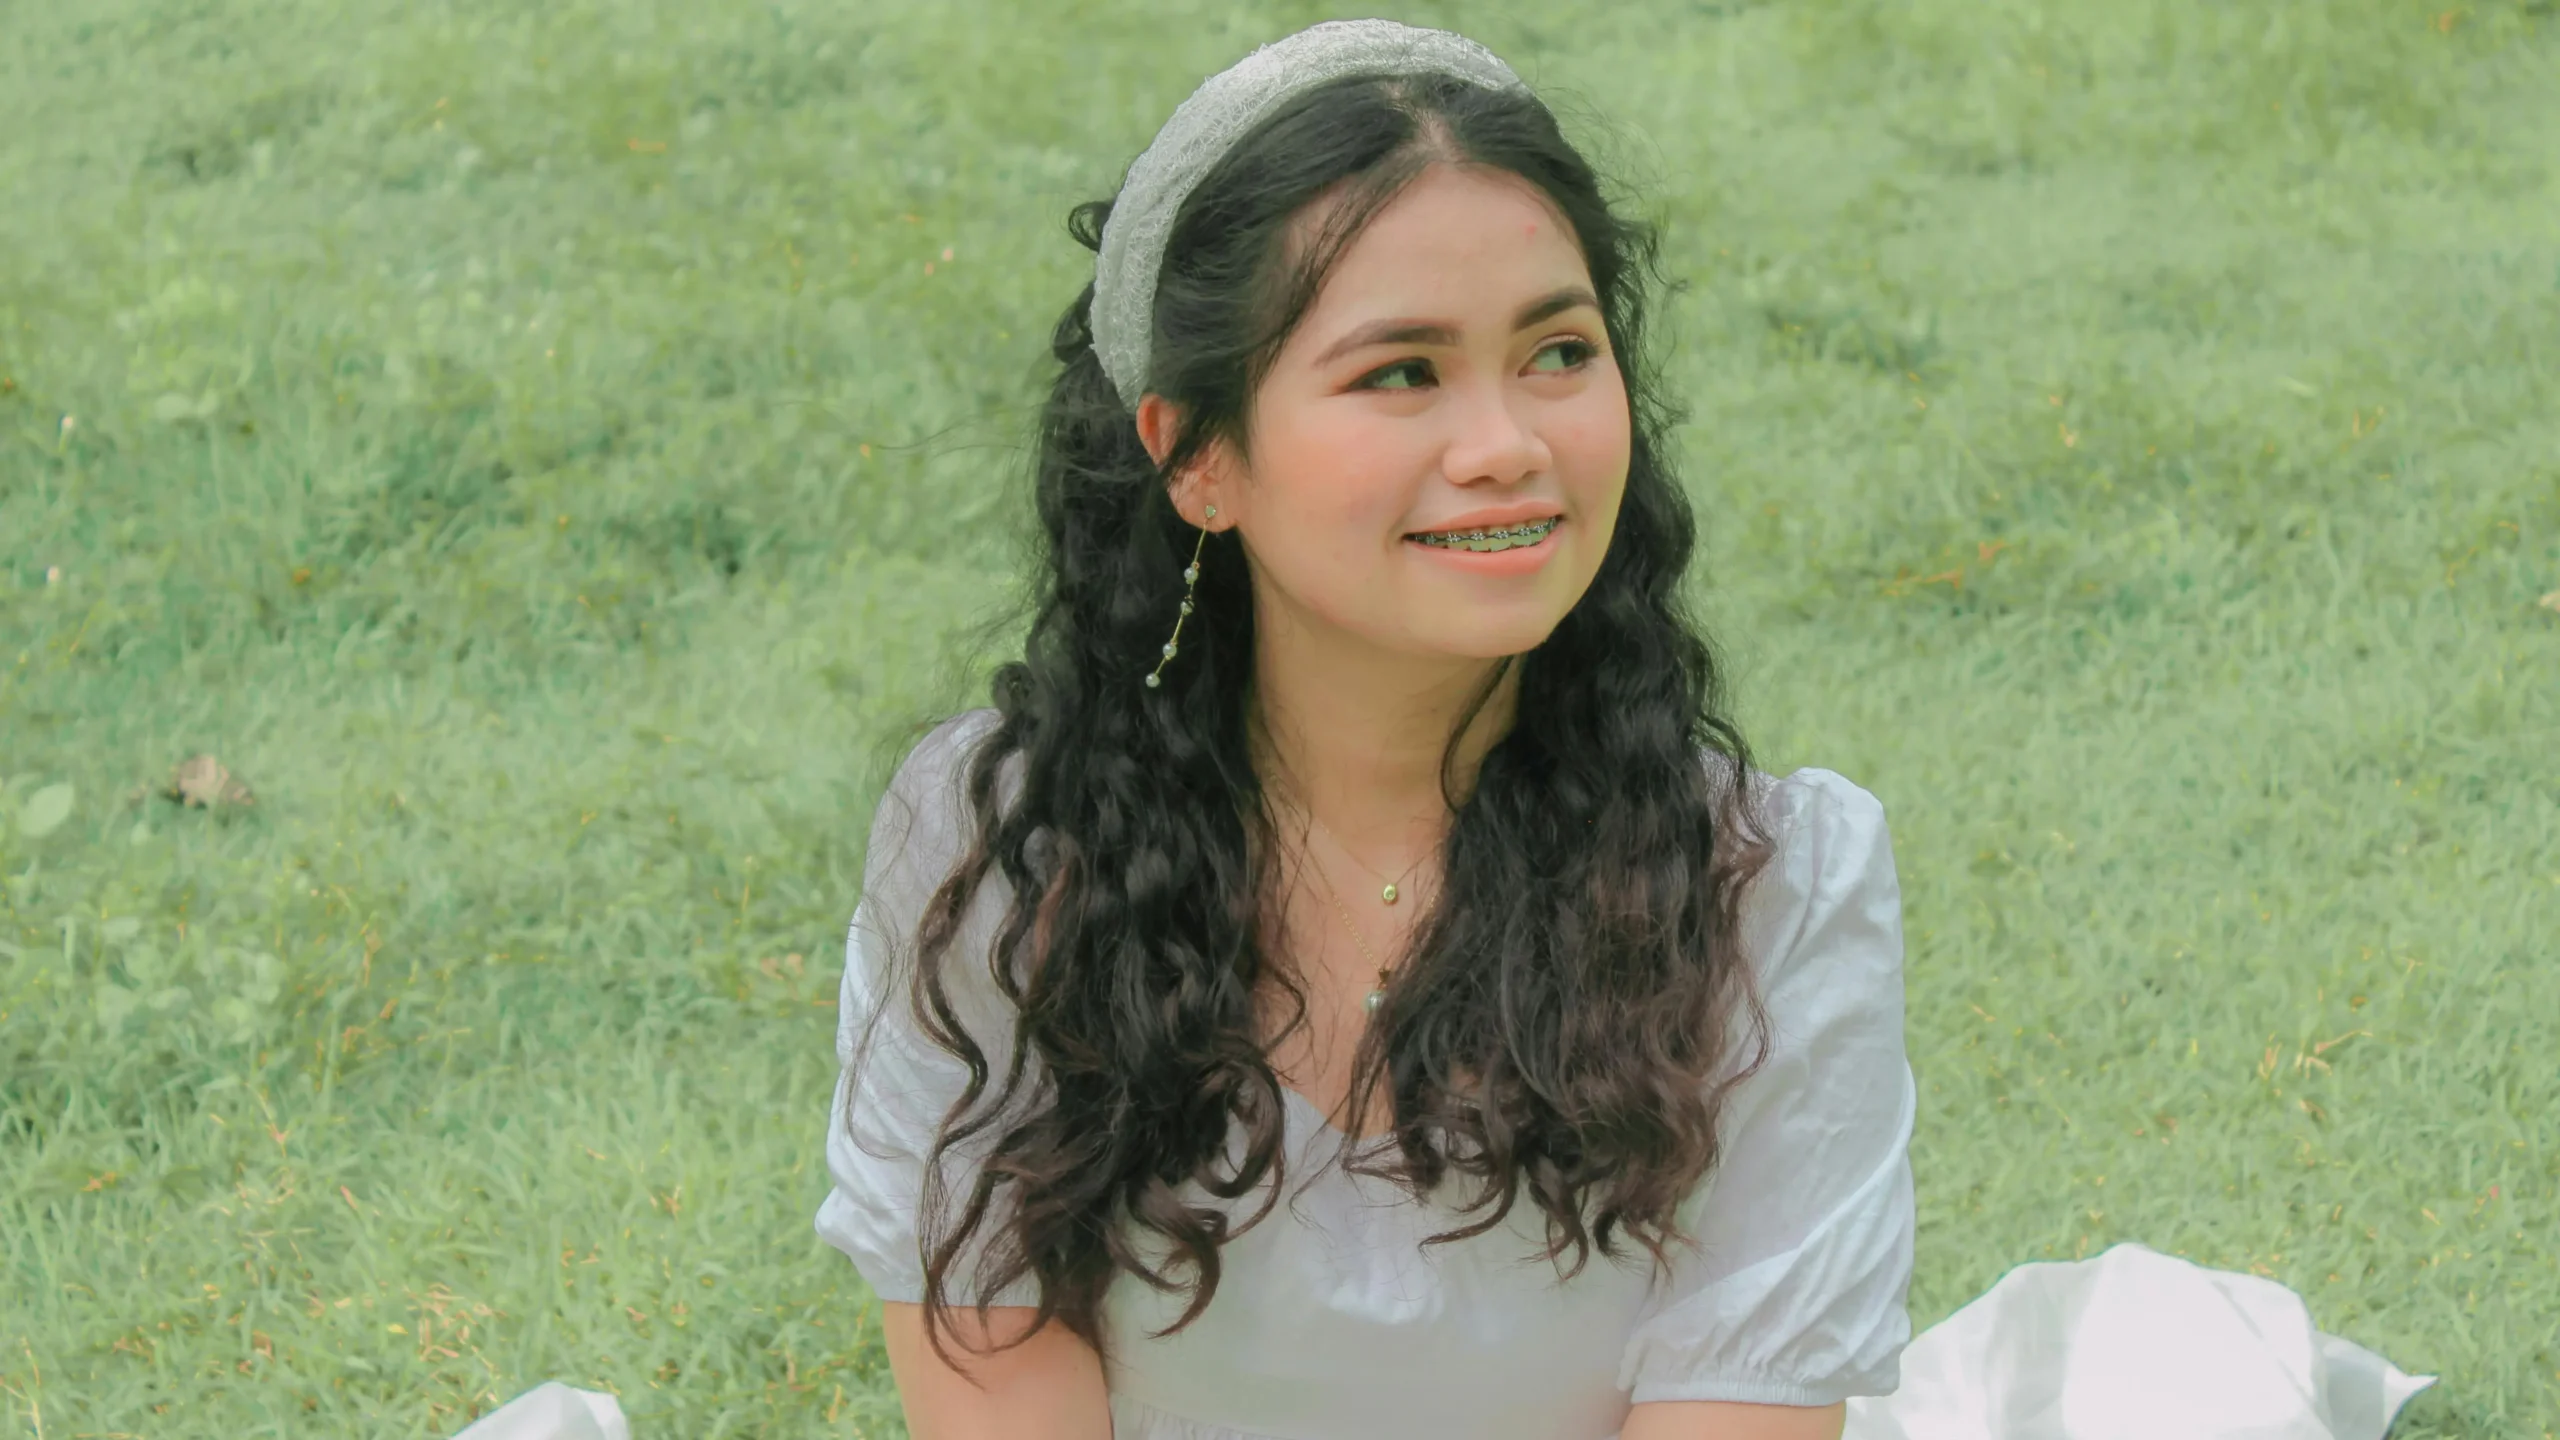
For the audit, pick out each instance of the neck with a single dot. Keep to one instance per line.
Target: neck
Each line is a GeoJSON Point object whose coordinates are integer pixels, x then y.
{"type": "Point", "coordinates": [1356, 734]}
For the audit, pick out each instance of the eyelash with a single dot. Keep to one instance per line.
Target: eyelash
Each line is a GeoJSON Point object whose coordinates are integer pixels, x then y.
{"type": "Point", "coordinates": [1590, 352]}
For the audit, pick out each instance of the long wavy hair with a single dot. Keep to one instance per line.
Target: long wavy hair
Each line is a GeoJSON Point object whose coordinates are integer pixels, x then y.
{"type": "Point", "coordinates": [1564, 1027]}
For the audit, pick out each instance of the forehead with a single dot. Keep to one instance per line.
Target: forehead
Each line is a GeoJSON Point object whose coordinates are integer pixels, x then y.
{"type": "Point", "coordinates": [1457, 240]}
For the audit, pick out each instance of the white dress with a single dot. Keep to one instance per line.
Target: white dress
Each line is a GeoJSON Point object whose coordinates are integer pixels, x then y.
{"type": "Point", "coordinates": [1332, 1323]}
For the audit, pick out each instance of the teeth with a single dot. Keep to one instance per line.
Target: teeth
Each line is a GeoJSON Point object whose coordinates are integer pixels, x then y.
{"type": "Point", "coordinates": [1487, 540]}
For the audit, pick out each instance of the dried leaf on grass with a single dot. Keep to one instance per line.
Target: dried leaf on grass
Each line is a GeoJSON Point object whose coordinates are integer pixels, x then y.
{"type": "Point", "coordinates": [204, 782]}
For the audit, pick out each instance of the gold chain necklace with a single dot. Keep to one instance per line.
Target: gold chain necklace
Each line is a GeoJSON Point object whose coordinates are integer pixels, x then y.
{"type": "Point", "coordinates": [1390, 894]}
{"type": "Point", "coordinates": [1391, 891]}
{"type": "Point", "coordinates": [1377, 996]}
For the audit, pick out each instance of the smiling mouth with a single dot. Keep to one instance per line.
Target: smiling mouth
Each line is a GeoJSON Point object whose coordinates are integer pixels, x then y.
{"type": "Point", "coordinates": [1505, 537]}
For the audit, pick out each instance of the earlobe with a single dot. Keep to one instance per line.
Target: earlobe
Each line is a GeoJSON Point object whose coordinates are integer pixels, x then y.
{"type": "Point", "coordinates": [1195, 499]}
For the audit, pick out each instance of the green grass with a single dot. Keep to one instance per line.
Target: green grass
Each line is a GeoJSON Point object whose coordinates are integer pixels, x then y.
{"type": "Point", "coordinates": [549, 454]}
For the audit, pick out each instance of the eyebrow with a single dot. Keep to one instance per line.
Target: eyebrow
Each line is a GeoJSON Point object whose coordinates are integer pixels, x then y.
{"type": "Point", "coordinates": [1440, 332]}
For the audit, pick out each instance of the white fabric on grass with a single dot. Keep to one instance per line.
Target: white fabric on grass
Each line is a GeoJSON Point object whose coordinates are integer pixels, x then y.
{"type": "Point", "coordinates": [2134, 1344]}
{"type": "Point", "coordinates": [553, 1411]}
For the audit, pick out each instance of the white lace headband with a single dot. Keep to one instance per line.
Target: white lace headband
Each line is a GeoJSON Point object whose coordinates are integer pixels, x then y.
{"type": "Point", "coordinates": [1219, 113]}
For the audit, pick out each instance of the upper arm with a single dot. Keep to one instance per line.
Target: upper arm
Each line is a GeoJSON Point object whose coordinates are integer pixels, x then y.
{"type": "Point", "coordinates": [1794, 1296]}
{"type": "Point", "coordinates": [1049, 1387]}
{"type": "Point", "coordinates": [1726, 1420]}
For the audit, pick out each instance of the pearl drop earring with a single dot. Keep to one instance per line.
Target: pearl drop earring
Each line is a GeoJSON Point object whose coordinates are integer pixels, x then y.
{"type": "Point", "coordinates": [1190, 578]}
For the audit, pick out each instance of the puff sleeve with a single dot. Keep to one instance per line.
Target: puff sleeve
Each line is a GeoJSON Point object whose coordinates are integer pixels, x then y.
{"type": "Point", "coordinates": [894, 1085]}
{"type": "Point", "coordinates": [1796, 1293]}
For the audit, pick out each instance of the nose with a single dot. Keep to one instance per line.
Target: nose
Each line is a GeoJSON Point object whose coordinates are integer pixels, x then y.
{"type": "Point", "coordinates": [1495, 439]}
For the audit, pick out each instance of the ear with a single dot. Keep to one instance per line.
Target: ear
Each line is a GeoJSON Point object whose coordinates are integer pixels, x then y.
{"type": "Point", "coordinates": [1159, 422]}
{"type": "Point", "coordinates": [1200, 485]}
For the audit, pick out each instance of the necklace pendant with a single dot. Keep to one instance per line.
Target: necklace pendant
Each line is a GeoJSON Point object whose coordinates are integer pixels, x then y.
{"type": "Point", "coordinates": [1376, 999]}
{"type": "Point", "coordinates": [1389, 894]}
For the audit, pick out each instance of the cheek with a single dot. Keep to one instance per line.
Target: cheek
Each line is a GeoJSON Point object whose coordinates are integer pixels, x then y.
{"type": "Point", "coordinates": [1592, 441]}
{"type": "Point", "coordinates": [1339, 469]}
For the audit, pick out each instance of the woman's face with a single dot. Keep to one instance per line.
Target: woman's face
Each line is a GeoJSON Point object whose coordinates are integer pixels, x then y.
{"type": "Point", "coordinates": [1453, 375]}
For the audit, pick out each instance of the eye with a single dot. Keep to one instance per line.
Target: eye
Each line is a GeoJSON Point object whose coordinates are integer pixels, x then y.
{"type": "Point", "coordinates": [1379, 378]}
{"type": "Point", "coordinates": [1579, 353]}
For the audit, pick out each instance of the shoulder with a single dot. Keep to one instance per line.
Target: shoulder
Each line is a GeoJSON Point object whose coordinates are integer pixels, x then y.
{"type": "Point", "coordinates": [928, 791]}
{"type": "Point", "coordinates": [1819, 805]}
{"type": "Point", "coordinates": [1830, 892]}
{"type": "Point", "coordinates": [922, 826]}
{"type": "Point", "coordinates": [1806, 795]}
{"type": "Point", "coordinates": [936, 767]}
{"type": "Point", "coordinates": [1815, 818]}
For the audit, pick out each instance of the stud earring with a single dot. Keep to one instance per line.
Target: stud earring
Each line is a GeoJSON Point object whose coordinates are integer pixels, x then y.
{"type": "Point", "coordinates": [1190, 577]}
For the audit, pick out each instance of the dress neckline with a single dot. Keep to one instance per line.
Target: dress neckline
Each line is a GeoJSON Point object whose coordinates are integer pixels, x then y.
{"type": "Point", "coordinates": [1316, 1116]}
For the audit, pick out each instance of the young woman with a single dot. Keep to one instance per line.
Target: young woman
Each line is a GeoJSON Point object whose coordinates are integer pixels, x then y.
{"type": "Point", "coordinates": [1352, 982]}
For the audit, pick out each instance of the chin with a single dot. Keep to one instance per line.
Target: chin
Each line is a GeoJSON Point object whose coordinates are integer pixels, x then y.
{"type": "Point", "coordinates": [1472, 639]}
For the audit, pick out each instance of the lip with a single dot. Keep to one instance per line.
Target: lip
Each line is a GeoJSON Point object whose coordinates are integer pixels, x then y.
{"type": "Point", "coordinates": [1515, 513]}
